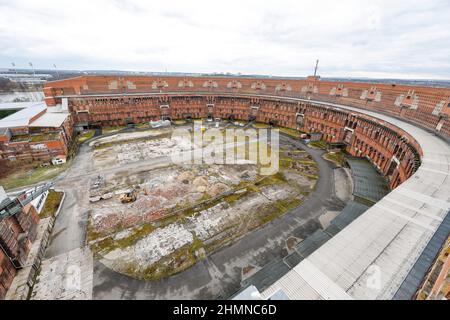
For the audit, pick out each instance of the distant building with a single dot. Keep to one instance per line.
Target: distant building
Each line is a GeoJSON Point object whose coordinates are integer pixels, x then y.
{"type": "Point", "coordinates": [27, 78]}
{"type": "Point", "coordinates": [35, 134]}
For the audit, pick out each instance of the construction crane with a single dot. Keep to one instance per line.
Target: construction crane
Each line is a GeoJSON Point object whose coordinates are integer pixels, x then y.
{"type": "Point", "coordinates": [315, 69]}
{"type": "Point", "coordinates": [10, 207]}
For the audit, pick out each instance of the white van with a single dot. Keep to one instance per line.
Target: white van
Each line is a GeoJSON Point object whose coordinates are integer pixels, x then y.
{"type": "Point", "coordinates": [58, 161]}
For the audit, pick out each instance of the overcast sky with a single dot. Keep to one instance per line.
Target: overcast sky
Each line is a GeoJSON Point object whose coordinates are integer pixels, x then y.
{"type": "Point", "coordinates": [359, 38]}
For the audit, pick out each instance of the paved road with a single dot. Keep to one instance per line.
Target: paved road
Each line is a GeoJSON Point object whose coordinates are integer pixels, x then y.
{"type": "Point", "coordinates": [70, 225]}
{"type": "Point", "coordinates": [220, 274]}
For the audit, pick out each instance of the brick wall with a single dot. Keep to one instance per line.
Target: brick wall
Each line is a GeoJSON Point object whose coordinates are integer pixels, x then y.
{"type": "Point", "coordinates": [10, 229]}
{"type": "Point", "coordinates": [423, 105]}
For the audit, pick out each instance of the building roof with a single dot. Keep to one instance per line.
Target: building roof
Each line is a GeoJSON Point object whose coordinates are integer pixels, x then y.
{"type": "Point", "coordinates": [422, 266]}
{"type": "Point", "coordinates": [372, 257]}
{"type": "Point", "coordinates": [48, 119]}
{"type": "Point", "coordinates": [249, 293]}
{"type": "Point", "coordinates": [16, 105]}
{"type": "Point", "coordinates": [22, 118]}
{"type": "Point", "coordinates": [3, 194]}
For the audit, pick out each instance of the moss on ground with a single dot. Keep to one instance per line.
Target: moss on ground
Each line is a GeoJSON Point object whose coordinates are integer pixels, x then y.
{"type": "Point", "coordinates": [86, 136]}
{"type": "Point", "coordinates": [37, 137]}
{"type": "Point", "coordinates": [109, 243]}
{"type": "Point", "coordinates": [100, 145]}
{"type": "Point", "coordinates": [335, 157]}
{"type": "Point", "coordinates": [290, 132]}
{"type": "Point", "coordinates": [93, 234]}
{"type": "Point", "coordinates": [277, 178]}
{"type": "Point", "coordinates": [196, 244]}
{"type": "Point", "coordinates": [142, 125]}
{"type": "Point", "coordinates": [179, 261]}
{"type": "Point", "coordinates": [51, 204]}
{"type": "Point", "coordinates": [5, 113]}
{"type": "Point", "coordinates": [288, 163]}
{"type": "Point", "coordinates": [287, 204]}
{"type": "Point", "coordinates": [111, 129]}
{"type": "Point", "coordinates": [321, 144]}
{"type": "Point", "coordinates": [235, 196]}
{"type": "Point", "coordinates": [260, 125]}
{"type": "Point", "coordinates": [310, 176]}
{"type": "Point", "coordinates": [20, 177]}
{"type": "Point", "coordinates": [277, 209]}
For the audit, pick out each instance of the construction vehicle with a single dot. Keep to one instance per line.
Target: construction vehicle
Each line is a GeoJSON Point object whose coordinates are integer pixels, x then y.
{"type": "Point", "coordinates": [129, 196]}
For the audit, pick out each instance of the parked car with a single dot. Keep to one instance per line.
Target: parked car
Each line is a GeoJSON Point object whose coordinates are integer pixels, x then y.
{"type": "Point", "coordinates": [58, 161]}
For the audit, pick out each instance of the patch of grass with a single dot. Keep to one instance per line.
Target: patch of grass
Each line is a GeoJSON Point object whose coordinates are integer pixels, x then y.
{"type": "Point", "coordinates": [287, 204]}
{"type": "Point", "coordinates": [109, 243]}
{"type": "Point", "coordinates": [196, 244]}
{"type": "Point", "coordinates": [229, 234]}
{"type": "Point", "coordinates": [267, 218]}
{"type": "Point", "coordinates": [277, 209]}
{"type": "Point", "coordinates": [235, 196]}
{"type": "Point", "coordinates": [111, 129]}
{"type": "Point", "coordinates": [321, 144]}
{"type": "Point", "coordinates": [277, 178]}
{"type": "Point", "coordinates": [171, 264]}
{"type": "Point", "coordinates": [306, 162]}
{"type": "Point", "coordinates": [20, 178]}
{"type": "Point", "coordinates": [286, 163]}
{"type": "Point", "coordinates": [51, 204]}
{"type": "Point", "coordinates": [136, 235]}
{"type": "Point", "coordinates": [259, 125]}
{"type": "Point", "coordinates": [172, 218]}
{"type": "Point", "coordinates": [86, 136]}
{"type": "Point", "coordinates": [142, 125]}
{"type": "Point", "coordinates": [92, 233]}
{"type": "Point", "coordinates": [310, 176]}
{"type": "Point", "coordinates": [290, 132]}
{"type": "Point", "coordinates": [99, 145]}
{"type": "Point", "coordinates": [335, 157]}
{"type": "Point", "coordinates": [5, 113]}
{"type": "Point", "coordinates": [37, 137]}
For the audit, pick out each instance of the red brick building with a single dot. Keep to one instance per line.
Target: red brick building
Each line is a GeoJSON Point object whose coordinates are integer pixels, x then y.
{"type": "Point", "coordinates": [17, 233]}
{"type": "Point", "coordinates": [299, 104]}
{"type": "Point", "coordinates": [113, 100]}
{"type": "Point", "coordinates": [35, 134]}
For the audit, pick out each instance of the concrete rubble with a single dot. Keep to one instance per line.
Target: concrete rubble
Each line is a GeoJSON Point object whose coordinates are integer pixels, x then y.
{"type": "Point", "coordinates": [209, 205]}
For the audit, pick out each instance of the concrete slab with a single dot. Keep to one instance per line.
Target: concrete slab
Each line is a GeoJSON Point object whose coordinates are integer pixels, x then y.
{"type": "Point", "coordinates": [66, 277]}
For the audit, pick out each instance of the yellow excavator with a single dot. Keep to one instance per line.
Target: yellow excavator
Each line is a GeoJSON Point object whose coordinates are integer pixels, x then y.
{"type": "Point", "coordinates": [129, 196]}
